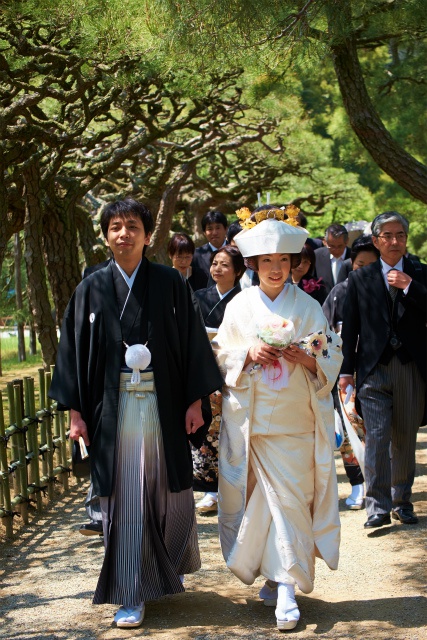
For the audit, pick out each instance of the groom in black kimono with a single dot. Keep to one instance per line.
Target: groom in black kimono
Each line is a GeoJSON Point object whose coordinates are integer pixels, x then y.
{"type": "Point", "coordinates": [134, 301]}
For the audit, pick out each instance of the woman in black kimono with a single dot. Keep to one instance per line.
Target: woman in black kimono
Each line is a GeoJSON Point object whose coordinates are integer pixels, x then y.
{"type": "Point", "coordinates": [227, 266]}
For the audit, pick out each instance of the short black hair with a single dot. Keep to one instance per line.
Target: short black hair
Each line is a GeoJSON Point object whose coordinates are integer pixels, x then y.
{"type": "Point", "coordinates": [336, 231]}
{"type": "Point", "coordinates": [124, 209]}
{"type": "Point", "coordinates": [233, 230]}
{"type": "Point", "coordinates": [308, 252]}
{"type": "Point", "coordinates": [180, 243]}
{"type": "Point", "coordinates": [302, 220]}
{"type": "Point", "coordinates": [214, 217]}
{"type": "Point", "coordinates": [363, 243]}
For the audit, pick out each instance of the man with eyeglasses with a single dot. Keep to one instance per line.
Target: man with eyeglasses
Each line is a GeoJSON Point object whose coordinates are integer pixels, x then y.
{"type": "Point", "coordinates": [330, 258]}
{"type": "Point", "coordinates": [385, 345]}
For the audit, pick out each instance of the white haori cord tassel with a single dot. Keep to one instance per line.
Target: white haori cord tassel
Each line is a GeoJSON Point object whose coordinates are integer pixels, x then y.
{"type": "Point", "coordinates": [137, 357]}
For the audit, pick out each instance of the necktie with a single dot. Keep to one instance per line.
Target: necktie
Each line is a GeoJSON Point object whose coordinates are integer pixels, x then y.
{"type": "Point", "coordinates": [335, 269]}
{"type": "Point", "coordinates": [393, 291]}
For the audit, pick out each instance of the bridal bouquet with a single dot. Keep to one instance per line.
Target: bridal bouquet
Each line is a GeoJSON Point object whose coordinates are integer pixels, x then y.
{"type": "Point", "coordinates": [280, 333]}
{"type": "Point", "coordinates": [276, 331]}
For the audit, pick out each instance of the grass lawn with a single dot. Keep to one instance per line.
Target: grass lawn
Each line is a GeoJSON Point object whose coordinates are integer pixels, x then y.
{"type": "Point", "coordinates": [11, 367]}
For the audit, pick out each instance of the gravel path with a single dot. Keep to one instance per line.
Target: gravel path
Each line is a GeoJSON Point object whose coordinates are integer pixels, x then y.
{"type": "Point", "coordinates": [379, 591]}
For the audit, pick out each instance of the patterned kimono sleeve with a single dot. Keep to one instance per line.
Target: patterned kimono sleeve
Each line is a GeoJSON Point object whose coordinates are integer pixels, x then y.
{"type": "Point", "coordinates": [329, 359]}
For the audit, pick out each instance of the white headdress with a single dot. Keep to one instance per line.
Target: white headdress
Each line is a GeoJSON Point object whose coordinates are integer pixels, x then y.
{"type": "Point", "coordinates": [270, 232]}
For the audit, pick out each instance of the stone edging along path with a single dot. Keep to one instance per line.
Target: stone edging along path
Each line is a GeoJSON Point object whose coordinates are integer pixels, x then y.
{"type": "Point", "coordinates": [48, 575]}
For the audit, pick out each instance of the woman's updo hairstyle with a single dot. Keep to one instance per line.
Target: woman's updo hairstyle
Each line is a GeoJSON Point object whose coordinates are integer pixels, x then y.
{"type": "Point", "coordinates": [236, 259]}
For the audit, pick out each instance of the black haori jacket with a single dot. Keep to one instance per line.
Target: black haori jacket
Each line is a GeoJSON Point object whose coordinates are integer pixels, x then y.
{"type": "Point", "coordinates": [87, 371]}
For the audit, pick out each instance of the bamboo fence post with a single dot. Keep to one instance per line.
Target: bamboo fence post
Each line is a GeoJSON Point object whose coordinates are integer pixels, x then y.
{"type": "Point", "coordinates": [61, 430]}
{"type": "Point", "coordinates": [44, 413]}
{"type": "Point", "coordinates": [13, 444]}
{"type": "Point", "coordinates": [7, 515]}
{"type": "Point", "coordinates": [22, 497]}
{"type": "Point", "coordinates": [43, 436]}
{"type": "Point", "coordinates": [22, 473]}
{"type": "Point", "coordinates": [32, 439]}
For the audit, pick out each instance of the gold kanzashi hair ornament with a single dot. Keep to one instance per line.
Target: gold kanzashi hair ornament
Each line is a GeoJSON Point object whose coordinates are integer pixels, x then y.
{"type": "Point", "coordinates": [246, 222]}
{"type": "Point", "coordinates": [292, 212]}
{"type": "Point", "coordinates": [244, 216]}
{"type": "Point", "coordinates": [275, 214]}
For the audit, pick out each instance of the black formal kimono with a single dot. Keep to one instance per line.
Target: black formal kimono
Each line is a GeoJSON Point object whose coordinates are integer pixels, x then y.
{"type": "Point", "coordinates": [212, 306]}
{"type": "Point", "coordinates": [205, 455]}
{"type": "Point", "coordinates": [90, 355]}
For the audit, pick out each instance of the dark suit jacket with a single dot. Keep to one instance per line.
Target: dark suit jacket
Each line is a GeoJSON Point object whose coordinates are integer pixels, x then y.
{"type": "Point", "coordinates": [202, 258]}
{"type": "Point", "coordinates": [367, 325]}
{"type": "Point", "coordinates": [323, 266]}
{"type": "Point", "coordinates": [198, 279]}
{"type": "Point", "coordinates": [346, 267]}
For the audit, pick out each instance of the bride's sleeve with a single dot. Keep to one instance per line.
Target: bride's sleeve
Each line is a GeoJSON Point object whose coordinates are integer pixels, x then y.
{"type": "Point", "coordinates": [231, 345]}
{"type": "Point", "coordinates": [328, 366]}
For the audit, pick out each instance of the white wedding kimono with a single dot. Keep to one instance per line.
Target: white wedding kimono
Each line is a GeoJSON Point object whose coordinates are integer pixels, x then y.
{"type": "Point", "coordinates": [278, 499]}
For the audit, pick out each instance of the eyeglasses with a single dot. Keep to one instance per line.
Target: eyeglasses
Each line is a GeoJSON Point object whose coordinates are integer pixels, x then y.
{"type": "Point", "coordinates": [183, 256]}
{"type": "Point", "coordinates": [388, 237]}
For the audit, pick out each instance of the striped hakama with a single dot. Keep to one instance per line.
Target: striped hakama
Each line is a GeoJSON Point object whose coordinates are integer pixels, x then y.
{"type": "Point", "coordinates": [150, 533]}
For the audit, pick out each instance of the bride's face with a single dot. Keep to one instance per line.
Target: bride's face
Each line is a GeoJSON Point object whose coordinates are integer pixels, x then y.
{"type": "Point", "coordinates": [273, 270]}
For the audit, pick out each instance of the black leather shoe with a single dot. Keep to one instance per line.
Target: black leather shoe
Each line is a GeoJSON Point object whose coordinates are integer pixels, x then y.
{"type": "Point", "coordinates": [377, 520]}
{"type": "Point", "coordinates": [406, 516]}
{"type": "Point", "coordinates": [91, 529]}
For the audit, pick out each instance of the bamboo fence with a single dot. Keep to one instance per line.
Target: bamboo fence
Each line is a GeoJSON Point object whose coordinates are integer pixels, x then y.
{"type": "Point", "coordinates": [35, 454]}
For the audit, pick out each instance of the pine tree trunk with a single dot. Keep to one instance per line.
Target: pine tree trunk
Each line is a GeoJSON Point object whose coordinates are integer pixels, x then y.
{"type": "Point", "coordinates": [36, 273]}
{"type": "Point", "coordinates": [364, 119]}
{"type": "Point", "coordinates": [18, 297]}
{"type": "Point", "coordinates": [62, 256]}
{"type": "Point", "coordinates": [93, 252]}
{"type": "Point", "coordinates": [33, 340]}
{"type": "Point", "coordinates": [166, 210]}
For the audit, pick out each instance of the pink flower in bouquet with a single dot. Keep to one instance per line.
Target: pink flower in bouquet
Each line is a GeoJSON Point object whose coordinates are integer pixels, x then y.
{"type": "Point", "coordinates": [311, 285]}
{"type": "Point", "coordinates": [276, 331]}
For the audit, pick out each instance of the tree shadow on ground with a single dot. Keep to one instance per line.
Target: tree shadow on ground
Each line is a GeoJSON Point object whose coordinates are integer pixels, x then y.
{"type": "Point", "coordinates": [206, 614]}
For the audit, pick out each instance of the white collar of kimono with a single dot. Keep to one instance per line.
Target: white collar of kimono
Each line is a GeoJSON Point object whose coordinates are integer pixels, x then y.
{"type": "Point", "coordinates": [128, 279]}
{"type": "Point", "coordinates": [222, 295]}
{"type": "Point", "coordinates": [272, 305]}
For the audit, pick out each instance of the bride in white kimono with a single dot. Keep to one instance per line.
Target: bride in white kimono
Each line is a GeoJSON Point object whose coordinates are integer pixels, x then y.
{"type": "Point", "coordinates": [278, 500]}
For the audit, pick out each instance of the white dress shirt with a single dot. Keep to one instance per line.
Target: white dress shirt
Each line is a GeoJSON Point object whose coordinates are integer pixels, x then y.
{"type": "Point", "coordinates": [336, 264]}
{"type": "Point", "coordinates": [385, 268]}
